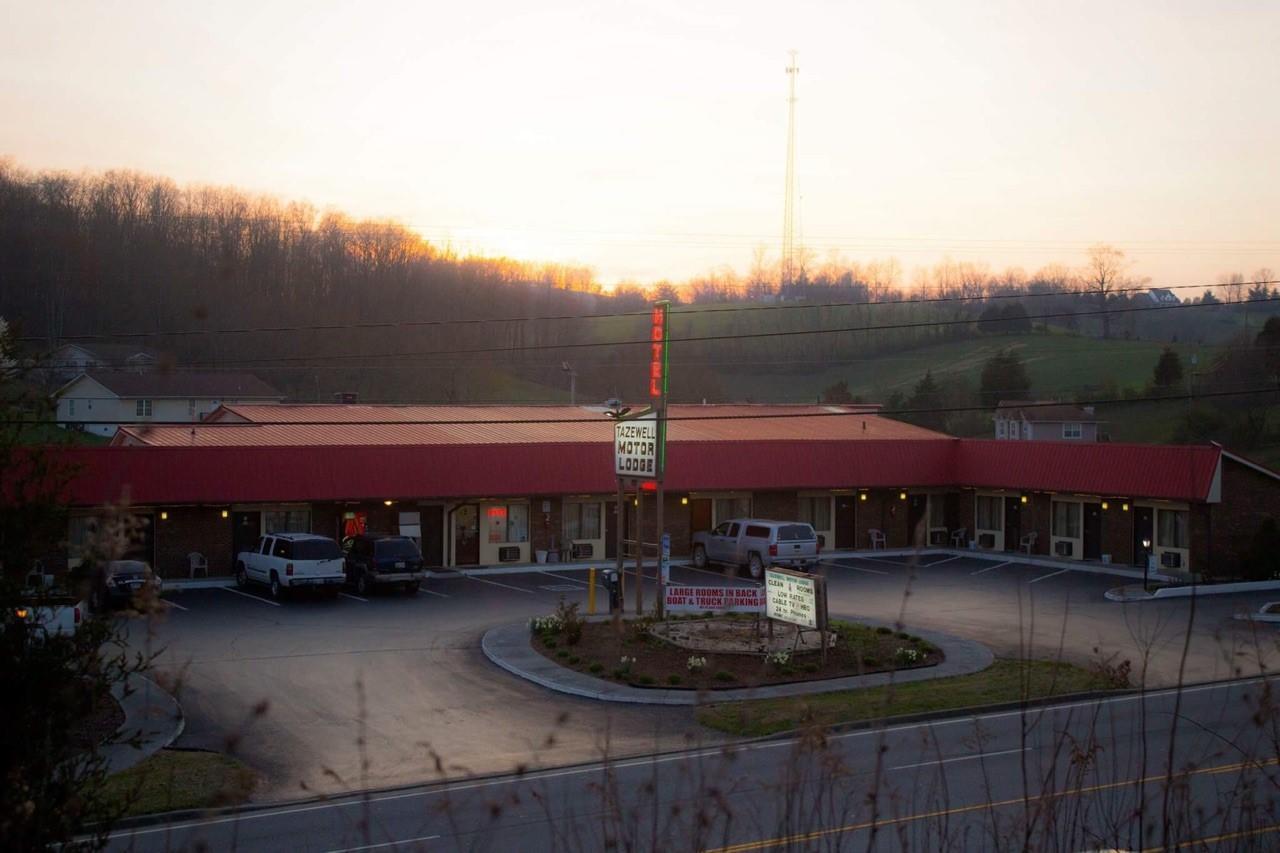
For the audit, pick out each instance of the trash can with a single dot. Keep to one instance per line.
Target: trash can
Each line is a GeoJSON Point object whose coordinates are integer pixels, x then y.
{"type": "Point", "coordinates": [540, 556]}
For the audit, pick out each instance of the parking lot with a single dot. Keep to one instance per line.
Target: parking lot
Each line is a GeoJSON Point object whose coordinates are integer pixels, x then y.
{"type": "Point", "coordinates": [367, 691]}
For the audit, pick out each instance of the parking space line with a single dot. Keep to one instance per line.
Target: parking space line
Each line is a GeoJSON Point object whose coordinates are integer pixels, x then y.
{"type": "Point", "coordinates": [856, 568]}
{"type": "Point", "coordinates": [890, 560]}
{"type": "Point", "coordinates": [944, 560]}
{"type": "Point", "coordinates": [174, 604]}
{"type": "Point", "coordinates": [1051, 575]}
{"type": "Point", "coordinates": [355, 597]}
{"type": "Point", "coordinates": [563, 578]}
{"type": "Point", "coordinates": [990, 568]}
{"type": "Point", "coordinates": [432, 592]}
{"type": "Point", "coordinates": [384, 844]}
{"type": "Point", "coordinates": [503, 585]}
{"type": "Point", "coordinates": [247, 595]}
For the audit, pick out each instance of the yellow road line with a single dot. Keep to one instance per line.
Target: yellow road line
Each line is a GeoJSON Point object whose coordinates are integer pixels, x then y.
{"type": "Point", "coordinates": [1214, 839]}
{"type": "Point", "coordinates": [814, 835]}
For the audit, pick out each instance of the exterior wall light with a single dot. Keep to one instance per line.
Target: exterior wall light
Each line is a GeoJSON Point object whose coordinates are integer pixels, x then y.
{"type": "Point", "coordinates": [862, 496]}
{"type": "Point", "coordinates": [902, 496]}
{"type": "Point", "coordinates": [1024, 498]}
{"type": "Point", "coordinates": [1105, 505]}
{"type": "Point", "coordinates": [684, 501]}
{"type": "Point", "coordinates": [1124, 507]}
{"type": "Point", "coordinates": [225, 514]}
{"type": "Point", "coordinates": [387, 503]}
{"type": "Point", "coordinates": [164, 515]}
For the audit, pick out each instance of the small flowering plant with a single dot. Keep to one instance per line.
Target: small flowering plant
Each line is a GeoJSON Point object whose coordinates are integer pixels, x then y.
{"type": "Point", "coordinates": [908, 657]}
{"type": "Point", "coordinates": [546, 624]}
{"type": "Point", "coordinates": [625, 662]}
{"type": "Point", "coordinates": [780, 658]}
{"type": "Point", "coordinates": [695, 663]}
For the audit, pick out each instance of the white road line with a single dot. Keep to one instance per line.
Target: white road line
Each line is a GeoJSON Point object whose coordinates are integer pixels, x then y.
{"type": "Point", "coordinates": [247, 595]}
{"type": "Point", "coordinates": [504, 585]}
{"type": "Point", "coordinates": [890, 560]}
{"type": "Point", "coordinates": [563, 578]}
{"type": "Point", "coordinates": [1051, 575]}
{"type": "Point", "coordinates": [976, 755]}
{"type": "Point", "coordinates": [383, 844]}
{"type": "Point", "coordinates": [175, 604]}
{"type": "Point", "coordinates": [945, 560]}
{"type": "Point", "coordinates": [856, 568]}
{"type": "Point", "coordinates": [432, 592]}
{"type": "Point", "coordinates": [990, 568]}
{"type": "Point", "coordinates": [354, 597]}
{"type": "Point", "coordinates": [679, 756]}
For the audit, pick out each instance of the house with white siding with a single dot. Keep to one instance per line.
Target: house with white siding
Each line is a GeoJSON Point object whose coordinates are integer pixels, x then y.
{"type": "Point", "coordinates": [99, 402]}
{"type": "Point", "coordinates": [1019, 420]}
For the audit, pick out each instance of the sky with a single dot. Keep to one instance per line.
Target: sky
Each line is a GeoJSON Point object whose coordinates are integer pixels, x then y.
{"type": "Point", "coordinates": [647, 140]}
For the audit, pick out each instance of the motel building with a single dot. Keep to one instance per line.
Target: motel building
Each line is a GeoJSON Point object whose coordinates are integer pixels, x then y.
{"type": "Point", "coordinates": [493, 485]}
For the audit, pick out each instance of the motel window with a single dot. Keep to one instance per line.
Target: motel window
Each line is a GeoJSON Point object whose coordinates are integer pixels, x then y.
{"type": "Point", "coordinates": [142, 408]}
{"type": "Point", "coordinates": [1171, 528]}
{"type": "Point", "coordinates": [71, 408]}
{"type": "Point", "coordinates": [288, 520]}
{"type": "Point", "coordinates": [581, 521]}
{"type": "Point", "coordinates": [191, 408]}
{"type": "Point", "coordinates": [937, 512]}
{"type": "Point", "coordinates": [816, 511]}
{"type": "Point", "coordinates": [732, 508]}
{"type": "Point", "coordinates": [508, 523]}
{"type": "Point", "coordinates": [81, 532]}
{"type": "Point", "coordinates": [1066, 519]}
{"type": "Point", "coordinates": [999, 427]}
{"type": "Point", "coordinates": [1071, 431]}
{"type": "Point", "coordinates": [989, 512]}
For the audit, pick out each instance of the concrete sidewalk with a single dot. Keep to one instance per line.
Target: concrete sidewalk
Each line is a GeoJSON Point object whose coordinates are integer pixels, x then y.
{"type": "Point", "coordinates": [152, 721]}
{"type": "Point", "coordinates": [509, 647]}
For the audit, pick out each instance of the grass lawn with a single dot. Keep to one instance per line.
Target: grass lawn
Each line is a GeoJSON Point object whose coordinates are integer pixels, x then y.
{"type": "Point", "coordinates": [179, 779]}
{"type": "Point", "coordinates": [1004, 681]}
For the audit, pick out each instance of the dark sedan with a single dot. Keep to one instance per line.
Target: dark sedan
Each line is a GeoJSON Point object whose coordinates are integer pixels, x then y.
{"type": "Point", "coordinates": [374, 561]}
{"type": "Point", "coordinates": [116, 582]}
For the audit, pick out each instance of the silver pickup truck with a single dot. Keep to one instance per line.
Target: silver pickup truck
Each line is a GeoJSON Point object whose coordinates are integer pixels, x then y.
{"type": "Point", "coordinates": [756, 543]}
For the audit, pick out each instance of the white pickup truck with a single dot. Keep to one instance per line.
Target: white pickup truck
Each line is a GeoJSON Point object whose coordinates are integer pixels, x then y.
{"type": "Point", "coordinates": [284, 561]}
{"type": "Point", "coordinates": [48, 616]}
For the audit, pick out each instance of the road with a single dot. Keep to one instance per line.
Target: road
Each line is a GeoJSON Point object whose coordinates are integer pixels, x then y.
{"type": "Point", "coordinates": [1074, 776]}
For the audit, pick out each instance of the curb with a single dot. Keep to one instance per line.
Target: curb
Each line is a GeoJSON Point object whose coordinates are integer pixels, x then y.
{"type": "Point", "coordinates": [152, 717]}
{"type": "Point", "coordinates": [508, 647]}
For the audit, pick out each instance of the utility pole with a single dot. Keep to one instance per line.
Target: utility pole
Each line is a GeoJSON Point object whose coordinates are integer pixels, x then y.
{"type": "Point", "coordinates": [788, 205]}
{"type": "Point", "coordinates": [573, 382]}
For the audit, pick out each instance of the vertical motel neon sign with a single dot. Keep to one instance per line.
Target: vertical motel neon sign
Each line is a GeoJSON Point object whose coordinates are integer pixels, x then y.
{"type": "Point", "coordinates": [658, 375]}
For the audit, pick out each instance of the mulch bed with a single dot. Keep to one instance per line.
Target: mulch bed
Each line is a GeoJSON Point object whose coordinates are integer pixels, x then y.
{"type": "Point", "coordinates": [859, 650]}
{"type": "Point", "coordinates": [98, 727]}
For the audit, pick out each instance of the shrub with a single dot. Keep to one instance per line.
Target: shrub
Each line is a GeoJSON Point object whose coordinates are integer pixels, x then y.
{"type": "Point", "coordinates": [674, 679]}
{"type": "Point", "coordinates": [548, 641]}
{"type": "Point", "coordinates": [571, 623]}
{"type": "Point", "coordinates": [545, 625]}
{"type": "Point", "coordinates": [695, 663]}
{"type": "Point", "coordinates": [647, 680]}
{"type": "Point", "coordinates": [904, 656]}
{"type": "Point", "coordinates": [562, 653]}
{"type": "Point", "coordinates": [722, 675]}
{"type": "Point", "coordinates": [574, 660]}
{"type": "Point", "coordinates": [779, 659]}
{"type": "Point", "coordinates": [596, 668]}
{"type": "Point", "coordinates": [620, 674]}
{"type": "Point", "coordinates": [883, 630]}
{"type": "Point", "coordinates": [625, 663]}
{"type": "Point", "coordinates": [810, 667]}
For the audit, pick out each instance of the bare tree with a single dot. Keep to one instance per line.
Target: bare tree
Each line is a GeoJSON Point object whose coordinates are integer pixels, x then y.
{"type": "Point", "coordinates": [1104, 272]}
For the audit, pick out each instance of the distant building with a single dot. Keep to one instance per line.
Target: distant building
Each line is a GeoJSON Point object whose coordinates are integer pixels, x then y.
{"type": "Point", "coordinates": [103, 400]}
{"type": "Point", "coordinates": [1045, 421]}
{"type": "Point", "coordinates": [70, 360]}
{"type": "Point", "coordinates": [1163, 296]}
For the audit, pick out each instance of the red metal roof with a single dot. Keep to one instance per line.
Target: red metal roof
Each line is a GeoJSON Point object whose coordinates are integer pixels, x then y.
{"type": "Point", "coordinates": [222, 475]}
{"type": "Point", "coordinates": [1173, 472]}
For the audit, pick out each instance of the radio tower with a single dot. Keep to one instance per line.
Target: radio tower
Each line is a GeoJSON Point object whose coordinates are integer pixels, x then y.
{"type": "Point", "coordinates": [789, 204]}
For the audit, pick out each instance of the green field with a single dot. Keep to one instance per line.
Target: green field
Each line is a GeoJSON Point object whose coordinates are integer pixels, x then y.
{"type": "Point", "coordinates": [1059, 365]}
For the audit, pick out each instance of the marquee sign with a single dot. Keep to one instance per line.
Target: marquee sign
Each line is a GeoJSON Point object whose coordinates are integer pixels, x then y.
{"type": "Point", "coordinates": [793, 597]}
{"type": "Point", "coordinates": [714, 599]}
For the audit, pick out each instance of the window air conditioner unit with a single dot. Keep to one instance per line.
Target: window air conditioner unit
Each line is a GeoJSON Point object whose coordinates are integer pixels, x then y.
{"type": "Point", "coordinates": [583, 550]}
{"type": "Point", "coordinates": [1171, 560]}
{"type": "Point", "coordinates": [509, 554]}
{"type": "Point", "coordinates": [986, 540]}
{"type": "Point", "coordinates": [1064, 549]}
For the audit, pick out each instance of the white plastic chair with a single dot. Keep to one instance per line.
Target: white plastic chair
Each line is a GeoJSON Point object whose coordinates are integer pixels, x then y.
{"type": "Point", "coordinates": [197, 561]}
{"type": "Point", "coordinates": [1027, 543]}
{"type": "Point", "coordinates": [877, 539]}
{"type": "Point", "coordinates": [957, 537]}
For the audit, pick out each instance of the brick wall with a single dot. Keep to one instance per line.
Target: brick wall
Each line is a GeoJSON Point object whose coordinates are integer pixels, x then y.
{"type": "Point", "coordinates": [1117, 531]}
{"type": "Point", "coordinates": [1248, 498]}
{"type": "Point", "coordinates": [780, 505]}
{"type": "Point", "coordinates": [678, 520]}
{"type": "Point", "coordinates": [884, 511]}
{"type": "Point", "coordinates": [190, 529]}
{"type": "Point", "coordinates": [544, 527]}
{"type": "Point", "coordinates": [1037, 516]}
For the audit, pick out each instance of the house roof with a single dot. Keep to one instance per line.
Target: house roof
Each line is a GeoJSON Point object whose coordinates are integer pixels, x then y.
{"type": "Point", "coordinates": [229, 474]}
{"type": "Point", "coordinates": [340, 425]}
{"type": "Point", "coordinates": [161, 385]}
{"type": "Point", "coordinates": [108, 352]}
{"type": "Point", "coordinates": [1045, 411]}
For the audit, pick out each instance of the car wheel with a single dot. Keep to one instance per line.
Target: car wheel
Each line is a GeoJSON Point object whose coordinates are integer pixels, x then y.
{"type": "Point", "coordinates": [412, 587]}
{"type": "Point", "coordinates": [699, 557]}
{"type": "Point", "coordinates": [276, 589]}
{"type": "Point", "coordinates": [362, 584]}
{"type": "Point", "coordinates": [755, 565]}
{"type": "Point", "coordinates": [242, 577]}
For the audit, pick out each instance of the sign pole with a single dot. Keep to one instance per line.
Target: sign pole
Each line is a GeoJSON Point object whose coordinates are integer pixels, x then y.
{"type": "Point", "coordinates": [640, 552]}
{"type": "Point", "coordinates": [658, 370]}
{"type": "Point", "coordinates": [620, 523]}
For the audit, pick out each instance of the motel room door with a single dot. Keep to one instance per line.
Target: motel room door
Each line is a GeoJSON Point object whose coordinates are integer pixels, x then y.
{"type": "Point", "coordinates": [917, 526]}
{"type": "Point", "coordinates": [1093, 531]}
{"type": "Point", "coordinates": [433, 536]}
{"type": "Point", "coordinates": [246, 527]}
{"type": "Point", "coordinates": [846, 522]}
{"type": "Point", "coordinates": [1012, 522]}
{"type": "Point", "coordinates": [466, 535]}
{"type": "Point", "coordinates": [699, 517]}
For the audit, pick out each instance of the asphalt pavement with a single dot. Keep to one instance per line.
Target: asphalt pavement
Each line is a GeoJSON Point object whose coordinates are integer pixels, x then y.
{"type": "Point", "coordinates": [1087, 775]}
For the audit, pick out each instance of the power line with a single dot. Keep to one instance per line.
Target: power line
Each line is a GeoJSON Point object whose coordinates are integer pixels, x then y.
{"type": "Point", "coordinates": [577, 345]}
{"type": "Point", "coordinates": [853, 411]}
{"type": "Point", "coordinates": [409, 324]}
